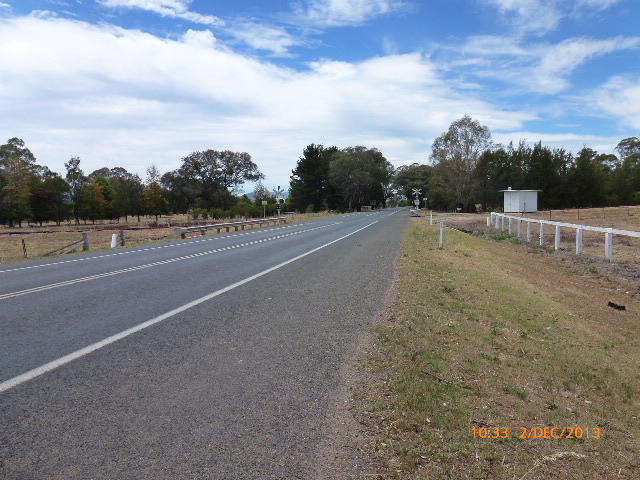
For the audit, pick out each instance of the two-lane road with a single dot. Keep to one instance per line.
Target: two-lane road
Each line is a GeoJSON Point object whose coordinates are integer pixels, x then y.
{"type": "Point", "coordinates": [204, 358]}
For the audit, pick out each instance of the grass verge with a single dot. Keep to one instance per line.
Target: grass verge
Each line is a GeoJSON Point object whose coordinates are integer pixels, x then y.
{"type": "Point", "coordinates": [40, 241]}
{"type": "Point", "coordinates": [489, 352]}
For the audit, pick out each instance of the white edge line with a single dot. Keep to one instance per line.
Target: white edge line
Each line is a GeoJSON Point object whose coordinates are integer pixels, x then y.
{"type": "Point", "coordinates": [47, 367]}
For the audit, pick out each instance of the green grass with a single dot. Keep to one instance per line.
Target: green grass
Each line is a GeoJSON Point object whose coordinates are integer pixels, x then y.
{"type": "Point", "coordinates": [474, 341]}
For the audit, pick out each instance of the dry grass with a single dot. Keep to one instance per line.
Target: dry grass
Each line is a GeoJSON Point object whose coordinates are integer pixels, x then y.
{"type": "Point", "coordinates": [626, 250]}
{"type": "Point", "coordinates": [42, 240]}
{"type": "Point", "coordinates": [502, 336]}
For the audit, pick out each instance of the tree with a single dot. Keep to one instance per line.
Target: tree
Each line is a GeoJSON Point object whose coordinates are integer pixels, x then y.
{"type": "Point", "coordinates": [153, 195]}
{"type": "Point", "coordinates": [50, 200]}
{"type": "Point", "coordinates": [499, 169]}
{"type": "Point", "coordinates": [455, 155]}
{"type": "Point", "coordinates": [206, 179]}
{"type": "Point", "coordinates": [547, 170]}
{"type": "Point", "coordinates": [361, 176]}
{"type": "Point", "coordinates": [17, 172]}
{"type": "Point", "coordinates": [310, 185]}
{"type": "Point", "coordinates": [409, 177]}
{"type": "Point", "coordinates": [628, 146]}
{"type": "Point", "coordinates": [16, 190]}
{"type": "Point", "coordinates": [124, 191]}
{"type": "Point", "coordinates": [93, 203]}
{"type": "Point", "coordinates": [587, 179]}
{"type": "Point", "coordinates": [261, 193]}
{"type": "Point", "coordinates": [76, 180]}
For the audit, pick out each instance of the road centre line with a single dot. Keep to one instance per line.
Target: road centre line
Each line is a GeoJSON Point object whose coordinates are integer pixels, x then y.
{"type": "Point", "coordinates": [36, 372]}
{"type": "Point", "coordinates": [83, 259]}
{"type": "Point", "coordinates": [154, 264]}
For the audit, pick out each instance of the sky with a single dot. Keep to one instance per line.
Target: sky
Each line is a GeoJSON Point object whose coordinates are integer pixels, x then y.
{"type": "Point", "coordinates": [132, 83]}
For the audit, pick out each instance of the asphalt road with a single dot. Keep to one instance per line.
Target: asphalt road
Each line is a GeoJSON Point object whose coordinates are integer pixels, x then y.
{"type": "Point", "coordinates": [208, 358]}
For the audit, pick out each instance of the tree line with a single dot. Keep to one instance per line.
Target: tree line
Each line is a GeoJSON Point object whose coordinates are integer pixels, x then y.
{"type": "Point", "coordinates": [205, 183]}
{"type": "Point", "coordinates": [327, 178]}
{"type": "Point", "coordinates": [467, 171]}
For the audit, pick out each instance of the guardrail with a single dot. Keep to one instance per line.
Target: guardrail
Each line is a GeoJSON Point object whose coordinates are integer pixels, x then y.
{"type": "Point", "coordinates": [228, 226]}
{"type": "Point", "coordinates": [498, 220]}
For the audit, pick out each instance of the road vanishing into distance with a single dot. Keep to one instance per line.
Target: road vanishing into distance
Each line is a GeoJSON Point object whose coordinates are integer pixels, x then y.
{"type": "Point", "coordinates": [206, 358]}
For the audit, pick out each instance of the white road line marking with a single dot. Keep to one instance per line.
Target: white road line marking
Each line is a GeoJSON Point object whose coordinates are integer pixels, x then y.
{"type": "Point", "coordinates": [84, 259]}
{"type": "Point", "coordinates": [138, 267]}
{"type": "Point", "coordinates": [47, 367]}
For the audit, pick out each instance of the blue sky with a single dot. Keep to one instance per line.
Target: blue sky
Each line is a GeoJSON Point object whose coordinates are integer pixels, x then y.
{"type": "Point", "coordinates": [138, 82]}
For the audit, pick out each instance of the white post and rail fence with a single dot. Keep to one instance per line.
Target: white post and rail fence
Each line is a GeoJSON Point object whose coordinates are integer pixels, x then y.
{"type": "Point", "coordinates": [514, 225]}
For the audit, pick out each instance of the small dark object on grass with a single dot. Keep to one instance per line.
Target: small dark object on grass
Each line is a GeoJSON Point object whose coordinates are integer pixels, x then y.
{"type": "Point", "coordinates": [616, 306]}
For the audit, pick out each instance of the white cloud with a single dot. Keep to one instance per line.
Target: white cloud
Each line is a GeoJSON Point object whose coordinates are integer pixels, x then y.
{"type": "Point", "coordinates": [544, 16]}
{"type": "Point", "coordinates": [539, 67]}
{"type": "Point", "coordinates": [124, 97]}
{"type": "Point", "coordinates": [43, 14]}
{"type": "Point", "coordinates": [4, 5]}
{"type": "Point", "coordinates": [495, 45]}
{"type": "Point", "coordinates": [538, 16]}
{"type": "Point", "coordinates": [620, 97]}
{"type": "Point", "coordinates": [263, 37]}
{"type": "Point", "coordinates": [559, 61]}
{"type": "Point", "coordinates": [166, 8]}
{"type": "Point", "coordinates": [335, 13]}
{"type": "Point", "coordinates": [202, 38]}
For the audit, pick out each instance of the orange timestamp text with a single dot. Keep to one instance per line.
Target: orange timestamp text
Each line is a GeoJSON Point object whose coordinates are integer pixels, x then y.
{"type": "Point", "coordinates": [538, 432]}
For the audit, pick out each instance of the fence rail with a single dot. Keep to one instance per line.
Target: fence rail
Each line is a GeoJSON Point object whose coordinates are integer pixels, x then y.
{"type": "Point", "coordinates": [182, 232]}
{"type": "Point", "coordinates": [498, 221]}
{"type": "Point", "coordinates": [72, 247]}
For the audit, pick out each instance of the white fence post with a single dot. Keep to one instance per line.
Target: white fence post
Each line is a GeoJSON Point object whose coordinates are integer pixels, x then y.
{"type": "Point", "coordinates": [489, 220]}
{"type": "Point", "coordinates": [579, 241]}
{"type": "Point", "coordinates": [441, 235]}
{"type": "Point", "coordinates": [608, 246]}
{"type": "Point", "coordinates": [430, 217]}
{"type": "Point", "coordinates": [609, 232]}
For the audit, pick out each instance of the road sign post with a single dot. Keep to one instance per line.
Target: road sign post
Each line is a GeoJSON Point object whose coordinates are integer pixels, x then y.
{"type": "Point", "coordinates": [279, 199]}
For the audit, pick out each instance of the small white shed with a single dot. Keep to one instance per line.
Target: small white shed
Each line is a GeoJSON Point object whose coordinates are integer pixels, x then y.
{"type": "Point", "coordinates": [520, 201]}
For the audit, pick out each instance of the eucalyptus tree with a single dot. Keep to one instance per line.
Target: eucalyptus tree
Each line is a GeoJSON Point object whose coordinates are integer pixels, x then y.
{"type": "Point", "coordinates": [76, 180]}
{"type": "Point", "coordinates": [206, 179]}
{"type": "Point", "coordinates": [361, 176]}
{"type": "Point", "coordinates": [454, 156]}
{"type": "Point", "coordinates": [17, 172]}
{"type": "Point", "coordinates": [409, 177]}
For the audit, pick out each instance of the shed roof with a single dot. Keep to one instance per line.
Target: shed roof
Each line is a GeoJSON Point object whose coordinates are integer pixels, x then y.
{"type": "Point", "coordinates": [509, 190]}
